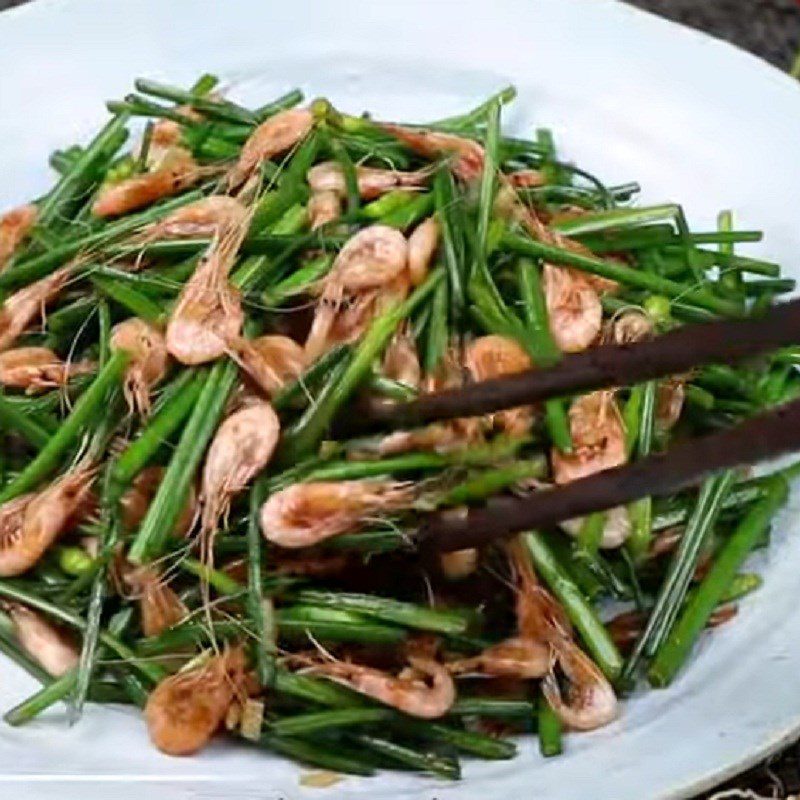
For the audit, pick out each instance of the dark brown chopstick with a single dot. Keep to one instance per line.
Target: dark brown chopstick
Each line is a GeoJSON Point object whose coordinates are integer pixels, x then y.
{"type": "Point", "coordinates": [765, 436]}
{"type": "Point", "coordinates": [609, 365]}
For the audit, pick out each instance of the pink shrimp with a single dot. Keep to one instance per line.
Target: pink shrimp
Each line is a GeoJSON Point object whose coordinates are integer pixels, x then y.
{"type": "Point", "coordinates": [574, 308]}
{"type": "Point", "coordinates": [598, 438]}
{"type": "Point", "coordinates": [203, 218]}
{"type": "Point", "coordinates": [323, 208]}
{"type": "Point", "coordinates": [208, 314]}
{"type": "Point", "coordinates": [401, 361]}
{"type": "Point", "coordinates": [241, 448]}
{"type": "Point", "coordinates": [425, 689]}
{"type": "Point", "coordinates": [159, 606]}
{"type": "Point", "coordinates": [526, 178]}
{"type": "Point", "coordinates": [148, 360]}
{"type": "Point", "coordinates": [373, 260]}
{"type": "Point", "coordinates": [422, 245]}
{"type": "Point", "coordinates": [21, 308]}
{"type": "Point", "coordinates": [467, 155]}
{"type": "Point", "coordinates": [176, 171]}
{"type": "Point", "coordinates": [372, 181]}
{"type": "Point", "coordinates": [14, 227]}
{"type": "Point", "coordinates": [271, 138]}
{"type": "Point", "coordinates": [271, 361]}
{"type": "Point", "coordinates": [590, 700]}
{"type": "Point", "coordinates": [38, 368]}
{"type": "Point", "coordinates": [53, 649]}
{"type": "Point", "coordinates": [305, 514]}
{"type": "Point", "coordinates": [29, 524]}
{"type": "Point", "coordinates": [491, 357]}
{"type": "Point", "coordinates": [670, 398]}
{"type": "Point", "coordinates": [185, 710]}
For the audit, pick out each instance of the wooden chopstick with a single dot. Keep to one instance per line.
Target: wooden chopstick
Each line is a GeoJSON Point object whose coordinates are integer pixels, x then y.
{"type": "Point", "coordinates": [608, 365]}
{"type": "Point", "coordinates": [762, 437]}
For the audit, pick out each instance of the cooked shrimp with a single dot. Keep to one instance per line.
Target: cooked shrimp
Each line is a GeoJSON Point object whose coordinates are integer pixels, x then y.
{"type": "Point", "coordinates": [574, 308]}
{"type": "Point", "coordinates": [670, 398]}
{"type": "Point", "coordinates": [491, 357]}
{"type": "Point", "coordinates": [21, 308]}
{"type": "Point", "coordinates": [517, 657]}
{"type": "Point", "coordinates": [185, 710]}
{"type": "Point", "coordinates": [271, 361]}
{"type": "Point", "coordinates": [176, 171]}
{"type": "Point", "coordinates": [31, 523]}
{"type": "Point", "coordinates": [271, 138]}
{"type": "Point", "coordinates": [47, 644]}
{"type": "Point", "coordinates": [324, 207]}
{"type": "Point", "coordinates": [136, 500]}
{"type": "Point", "coordinates": [148, 360]}
{"type": "Point", "coordinates": [526, 178]}
{"type": "Point", "coordinates": [372, 181]}
{"type": "Point", "coordinates": [199, 219]}
{"type": "Point", "coordinates": [466, 155]}
{"type": "Point", "coordinates": [38, 368]}
{"type": "Point", "coordinates": [590, 702]}
{"type": "Point", "coordinates": [598, 438]}
{"type": "Point", "coordinates": [208, 313]}
{"type": "Point", "coordinates": [166, 134]}
{"type": "Point", "coordinates": [422, 246]}
{"type": "Point", "coordinates": [400, 361]}
{"type": "Point", "coordinates": [425, 689]}
{"type": "Point", "coordinates": [14, 227]}
{"type": "Point", "coordinates": [241, 448]}
{"type": "Point", "coordinates": [616, 528]}
{"type": "Point", "coordinates": [159, 606]}
{"type": "Point", "coordinates": [629, 327]}
{"type": "Point", "coordinates": [308, 513]}
{"type": "Point", "coordinates": [374, 259]}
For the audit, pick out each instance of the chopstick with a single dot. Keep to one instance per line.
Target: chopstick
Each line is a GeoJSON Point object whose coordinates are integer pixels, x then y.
{"type": "Point", "coordinates": [762, 437]}
{"type": "Point", "coordinates": [609, 365]}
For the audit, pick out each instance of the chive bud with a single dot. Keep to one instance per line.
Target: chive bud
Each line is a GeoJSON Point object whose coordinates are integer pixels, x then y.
{"type": "Point", "coordinates": [658, 308]}
{"type": "Point", "coordinates": [74, 561]}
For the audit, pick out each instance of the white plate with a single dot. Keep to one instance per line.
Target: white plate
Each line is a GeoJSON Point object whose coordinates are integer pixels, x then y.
{"type": "Point", "coordinates": [630, 97]}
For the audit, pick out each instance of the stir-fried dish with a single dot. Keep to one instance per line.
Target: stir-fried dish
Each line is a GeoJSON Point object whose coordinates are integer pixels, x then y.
{"type": "Point", "coordinates": [192, 519]}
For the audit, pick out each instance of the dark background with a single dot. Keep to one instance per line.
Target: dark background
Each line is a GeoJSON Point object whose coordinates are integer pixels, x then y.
{"type": "Point", "coordinates": [771, 29]}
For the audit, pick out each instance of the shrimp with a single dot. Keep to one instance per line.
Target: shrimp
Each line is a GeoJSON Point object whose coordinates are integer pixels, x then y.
{"type": "Point", "coordinates": [528, 654]}
{"type": "Point", "coordinates": [467, 156]}
{"type": "Point", "coordinates": [629, 327]}
{"type": "Point", "coordinates": [176, 171]}
{"type": "Point", "coordinates": [208, 313]}
{"type": "Point", "coordinates": [526, 178]}
{"type": "Point", "coordinates": [323, 208]}
{"type": "Point", "coordinates": [14, 227]}
{"type": "Point", "coordinates": [490, 357]}
{"type": "Point", "coordinates": [574, 308]}
{"type": "Point", "coordinates": [616, 528]}
{"type": "Point", "coordinates": [38, 368]}
{"type": "Point", "coordinates": [670, 398]}
{"type": "Point", "coordinates": [29, 524]}
{"type": "Point", "coordinates": [160, 607]}
{"type": "Point", "coordinates": [271, 361]}
{"type": "Point", "coordinates": [20, 309]}
{"type": "Point", "coordinates": [590, 702]}
{"type": "Point", "coordinates": [199, 219]}
{"type": "Point", "coordinates": [425, 689]}
{"type": "Point", "coordinates": [185, 710]}
{"type": "Point", "coordinates": [48, 645]}
{"type": "Point", "coordinates": [372, 181]}
{"type": "Point", "coordinates": [598, 438]}
{"type": "Point", "coordinates": [308, 513]}
{"type": "Point", "coordinates": [148, 360]}
{"type": "Point", "coordinates": [422, 246]}
{"type": "Point", "coordinates": [401, 362]}
{"type": "Point", "coordinates": [372, 260]}
{"type": "Point", "coordinates": [136, 500]}
{"type": "Point", "coordinates": [276, 135]}
{"type": "Point", "coordinates": [241, 448]}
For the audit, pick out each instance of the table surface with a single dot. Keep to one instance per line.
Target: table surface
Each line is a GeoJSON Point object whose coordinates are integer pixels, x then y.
{"type": "Point", "coordinates": [770, 29]}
